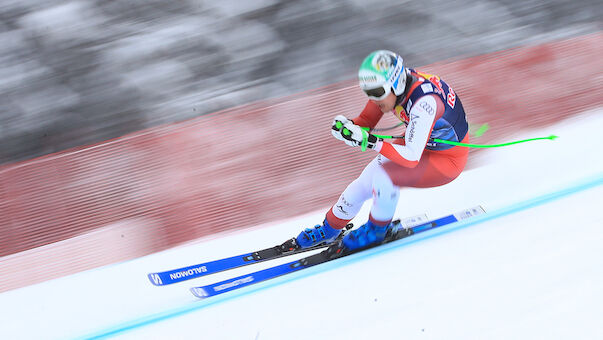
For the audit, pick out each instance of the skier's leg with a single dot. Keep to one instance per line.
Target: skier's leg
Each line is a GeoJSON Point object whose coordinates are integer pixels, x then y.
{"type": "Point", "coordinates": [353, 197]}
{"type": "Point", "coordinates": [385, 200]}
{"type": "Point", "coordinates": [342, 212]}
{"type": "Point", "coordinates": [434, 169]}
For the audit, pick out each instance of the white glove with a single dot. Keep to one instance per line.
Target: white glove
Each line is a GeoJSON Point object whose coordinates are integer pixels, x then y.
{"type": "Point", "coordinates": [354, 135]}
{"type": "Point", "coordinates": [338, 124]}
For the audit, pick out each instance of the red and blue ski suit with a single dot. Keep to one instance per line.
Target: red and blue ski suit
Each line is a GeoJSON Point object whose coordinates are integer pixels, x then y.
{"type": "Point", "coordinates": [431, 110]}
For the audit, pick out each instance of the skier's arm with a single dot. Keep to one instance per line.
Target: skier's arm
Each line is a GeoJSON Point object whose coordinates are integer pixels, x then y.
{"type": "Point", "coordinates": [423, 116]}
{"type": "Point", "coordinates": [370, 116]}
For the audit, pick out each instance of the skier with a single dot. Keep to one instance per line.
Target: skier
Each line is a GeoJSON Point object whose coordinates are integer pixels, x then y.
{"type": "Point", "coordinates": [430, 109]}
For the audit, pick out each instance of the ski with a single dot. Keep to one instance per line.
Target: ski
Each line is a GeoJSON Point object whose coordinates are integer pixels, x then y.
{"type": "Point", "coordinates": [287, 248]}
{"type": "Point", "coordinates": [334, 251]}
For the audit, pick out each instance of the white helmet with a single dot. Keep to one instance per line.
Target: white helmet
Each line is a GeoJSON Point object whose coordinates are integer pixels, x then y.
{"type": "Point", "coordinates": [381, 72]}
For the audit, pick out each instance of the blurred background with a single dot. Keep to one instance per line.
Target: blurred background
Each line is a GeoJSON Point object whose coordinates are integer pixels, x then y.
{"type": "Point", "coordinates": [163, 121]}
{"type": "Point", "coordinates": [79, 72]}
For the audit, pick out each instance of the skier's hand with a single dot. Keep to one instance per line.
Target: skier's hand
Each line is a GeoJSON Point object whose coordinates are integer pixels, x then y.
{"type": "Point", "coordinates": [354, 135]}
{"type": "Point", "coordinates": [337, 126]}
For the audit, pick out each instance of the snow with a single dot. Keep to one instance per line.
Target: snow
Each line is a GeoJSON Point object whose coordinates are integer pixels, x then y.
{"type": "Point", "coordinates": [530, 268]}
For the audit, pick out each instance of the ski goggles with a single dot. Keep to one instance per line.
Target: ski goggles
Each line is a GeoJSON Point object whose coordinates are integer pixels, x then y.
{"type": "Point", "coordinates": [378, 93]}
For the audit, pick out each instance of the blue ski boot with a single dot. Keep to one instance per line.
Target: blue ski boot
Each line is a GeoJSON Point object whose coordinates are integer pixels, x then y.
{"type": "Point", "coordinates": [368, 234]}
{"type": "Point", "coordinates": [319, 234]}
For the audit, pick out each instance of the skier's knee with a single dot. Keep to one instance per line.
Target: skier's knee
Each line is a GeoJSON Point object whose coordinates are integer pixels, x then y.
{"type": "Point", "coordinates": [384, 189]}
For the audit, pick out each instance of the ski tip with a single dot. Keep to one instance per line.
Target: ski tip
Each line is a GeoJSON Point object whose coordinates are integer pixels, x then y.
{"type": "Point", "coordinates": [155, 279]}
